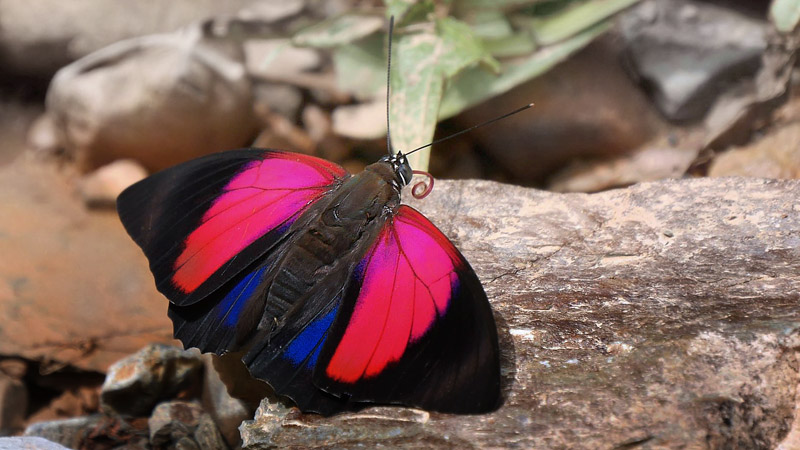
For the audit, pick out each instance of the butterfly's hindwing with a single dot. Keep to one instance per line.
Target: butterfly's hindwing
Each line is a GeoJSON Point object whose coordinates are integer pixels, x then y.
{"type": "Point", "coordinates": [415, 326]}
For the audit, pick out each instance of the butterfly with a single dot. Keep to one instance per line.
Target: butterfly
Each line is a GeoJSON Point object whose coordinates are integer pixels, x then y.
{"type": "Point", "coordinates": [341, 296]}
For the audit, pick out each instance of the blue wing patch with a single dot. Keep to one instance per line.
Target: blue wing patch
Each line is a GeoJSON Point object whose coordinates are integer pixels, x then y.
{"type": "Point", "coordinates": [306, 346]}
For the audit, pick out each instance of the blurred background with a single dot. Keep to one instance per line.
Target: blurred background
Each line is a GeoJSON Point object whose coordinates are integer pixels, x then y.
{"type": "Point", "coordinates": [95, 95]}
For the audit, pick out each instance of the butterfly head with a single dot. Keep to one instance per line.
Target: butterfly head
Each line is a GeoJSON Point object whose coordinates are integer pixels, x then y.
{"type": "Point", "coordinates": [401, 168]}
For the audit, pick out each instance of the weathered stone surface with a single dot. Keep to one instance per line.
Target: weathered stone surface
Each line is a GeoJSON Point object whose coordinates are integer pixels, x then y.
{"type": "Point", "coordinates": [175, 97]}
{"type": "Point", "coordinates": [228, 412]}
{"type": "Point", "coordinates": [28, 443]}
{"type": "Point", "coordinates": [664, 315]}
{"type": "Point", "coordinates": [179, 424]}
{"type": "Point", "coordinates": [67, 432]}
{"type": "Point", "coordinates": [93, 432]}
{"type": "Point", "coordinates": [136, 383]}
{"type": "Point", "coordinates": [74, 288]}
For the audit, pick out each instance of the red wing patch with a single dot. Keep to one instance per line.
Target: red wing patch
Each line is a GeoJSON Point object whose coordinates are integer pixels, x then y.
{"type": "Point", "coordinates": [267, 194]}
{"type": "Point", "coordinates": [408, 280]}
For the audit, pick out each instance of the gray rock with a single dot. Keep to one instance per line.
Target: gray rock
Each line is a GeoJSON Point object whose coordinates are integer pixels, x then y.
{"type": "Point", "coordinates": [686, 51]}
{"type": "Point", "coordinates": [180, 424]}
{"type": "Point", "coordinates": [136, 383]}
{"type": "Point", "coordinates": [95, 431]}
{"type": "Point", "coordinates": [228, 412]}
{"type": "Point", "coordinates": [280, 98]}
{"type": "Point", "coordinates": [175, 97]}
{"type": "Point", "coordinates": [207, 434]}
{"type": "Point", "coordinates": [67, 432]}
{"type": "Point", "coordinates": [28, 443]}
{"type": "Point", "coordinates": [38, 38]}
{"type": "Point", "coordinates": [664, 315]}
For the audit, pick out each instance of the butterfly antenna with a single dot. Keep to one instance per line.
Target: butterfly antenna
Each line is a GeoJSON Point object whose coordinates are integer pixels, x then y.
{"type": "Point", "coordinates": [529, 105]}
{"type": "Point", "coordinates": [388, 84]}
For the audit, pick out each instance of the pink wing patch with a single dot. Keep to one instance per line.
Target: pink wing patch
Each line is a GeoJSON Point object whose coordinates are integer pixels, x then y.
{"type": "Point", "coordinates": [407, 281]}
{"type": "Point", "coordinates": [267, 194]}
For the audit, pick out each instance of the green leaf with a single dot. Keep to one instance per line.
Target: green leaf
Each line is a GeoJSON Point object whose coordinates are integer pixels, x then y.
{"type": "Point", "coordinates": [785, 14]}
{"type": "Point", "coordinates": [361, 67]}
{"type": "Point", "coordinates": [398, 8]}
{"type": "Point", "coordinates": [417, 86]}
{"type": "Point", "coordinates": [468, 5]}
{"type": "Point", "coordinates": [476, 85]}
{"type": "Point", "coordinates": [490, 24]}
{"type": "Point", "coordinates": [461, 47]}
{"type": "Point", "coordinates": [421, 62]}
{"type": "Point", "coordinates": [406, 11]}
{"type": "Point", "coordinates": [338, 31]}
{"type": "Point", "coordinates": [517, 44]}
{"type": "Point", "coordinates": [567, 22]}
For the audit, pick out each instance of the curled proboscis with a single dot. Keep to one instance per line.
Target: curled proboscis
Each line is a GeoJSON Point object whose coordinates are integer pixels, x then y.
{"type": "Point", "coordinates": [421, 189]}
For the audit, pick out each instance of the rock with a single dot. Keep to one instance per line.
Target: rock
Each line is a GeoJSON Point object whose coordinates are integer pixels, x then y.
{"type": "Point", "coordinates": [330, 146]}
{"type": "Point", "coordinates": [686, 52]}
{"type": "Point", "coordinates": [270, 12]}
{"type": "Point", "coordinates": [611, 117]}
{"type": "Point", "coordinates": [361, 121]}
{"type": "Point", "coordinates": [648, 164]}
{"type": "Point", "coordinates": [663, 315]}
{"type": "Point", "coordinates": [238, 382]}
{"type": "Point", "coordinates": [183, 425]}
{"type": "Point", "coordinates": [13, 404]}
{"type": "Point", "coordinates": [67, 432]}
{"type": "Point", "coordinates": [29, 443]}
{"type": "Point", "coordinates": [42, 139]}
{"type": "Point", "coordinates": [175, 97]}
{"type": "Point", "coordinates": [37, 39]}
{"type": "Point", "coordinates": [775, 155]}
{"type": "Point", "coordinates": [95, 431]}
{"type": "Point", "coordinates": [317, 123]}
{"type": "Point", "coordinates": [282, 99]}
{"type": "Point", "coordinates": [228, 412]}
{"type": "Point", "coordinates": [102, 187]}
{"type": "Point", "coordinates": [278, 59]}
{"type": "Point", "coordinates": [136, 383]}
{"type": "Point", "coordinates": [53, 248]}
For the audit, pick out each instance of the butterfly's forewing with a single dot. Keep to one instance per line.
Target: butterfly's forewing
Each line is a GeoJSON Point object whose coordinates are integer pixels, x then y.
{"type": "Point", "coordinates": [414, 326]}
{"type": "Point", "coordinates": [203, 222]}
